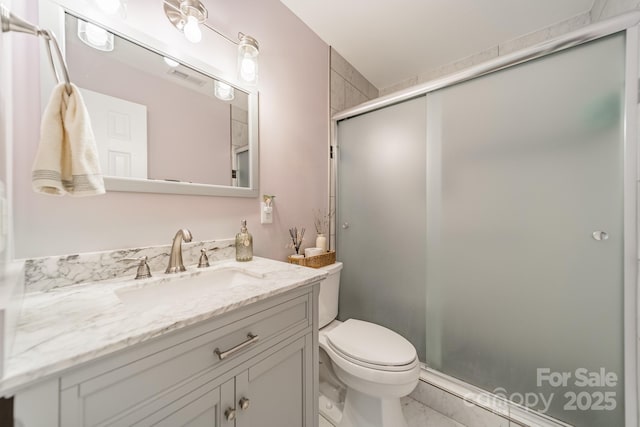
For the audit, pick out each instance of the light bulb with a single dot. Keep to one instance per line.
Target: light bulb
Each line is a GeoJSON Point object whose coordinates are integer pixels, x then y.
{"type": "Point", "coordinates": [192, 30]}
{"type": "Point", "coordinates": [96, 35]}
{"type": "Point", "coordinates": [109, 7]}
{"type": "Point", "coordinates": [248, 69]}
{"type": "Point", "coordinates": [223, 91]}
{"type": "Point", "coordinates": [248, 59]}
{"type": "Point", "coordinates": [170, 62]}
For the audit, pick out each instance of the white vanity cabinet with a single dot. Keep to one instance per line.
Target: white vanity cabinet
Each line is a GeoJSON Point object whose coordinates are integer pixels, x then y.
{"type": "Point", "coordinates": [179, 379]}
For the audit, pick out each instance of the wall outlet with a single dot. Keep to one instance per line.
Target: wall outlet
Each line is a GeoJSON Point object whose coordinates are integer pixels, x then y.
{"type": "Point", "coordinates": [266, 213]}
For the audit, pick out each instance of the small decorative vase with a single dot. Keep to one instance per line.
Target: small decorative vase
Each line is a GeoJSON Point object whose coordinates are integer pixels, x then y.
{"type": "Point", "coordinates": [321, 242]}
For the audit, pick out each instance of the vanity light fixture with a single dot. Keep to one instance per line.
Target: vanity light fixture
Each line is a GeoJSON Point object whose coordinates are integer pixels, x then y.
{"type": "Point", "coordinates": [248, 59]}
{"type": "Point", "coordinates": [94, 36]}
{"type": "Point", "coordinates": [223, 91]}
{"type": "Point", "coordinates": [188, 15]}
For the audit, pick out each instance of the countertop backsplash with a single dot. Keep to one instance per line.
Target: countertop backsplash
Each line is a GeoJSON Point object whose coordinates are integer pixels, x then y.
{"type": "Point", "coordinates": [43, 274]}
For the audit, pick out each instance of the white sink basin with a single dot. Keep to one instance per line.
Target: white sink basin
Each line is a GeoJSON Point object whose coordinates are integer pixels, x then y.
{"type": "Point", "coordinates": [185, 289]}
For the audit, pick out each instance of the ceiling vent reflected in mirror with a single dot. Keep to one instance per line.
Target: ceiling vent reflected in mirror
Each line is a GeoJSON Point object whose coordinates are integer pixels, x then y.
{"type": "Point", "coordinates": [186, 77]}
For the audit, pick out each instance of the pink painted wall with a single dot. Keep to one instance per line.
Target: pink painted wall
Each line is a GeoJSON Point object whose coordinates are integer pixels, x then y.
{"type": "Point", "coordinates": [293, 149]}
{"type": "Point", "coordinates": [203, 146]}
{"type": "Point", "coordinates": [6, 135]}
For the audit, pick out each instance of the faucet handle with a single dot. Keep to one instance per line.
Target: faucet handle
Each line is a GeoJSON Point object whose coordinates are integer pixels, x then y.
{"type": "Point", "coordinates": [143, 268]}
{"type": "Point", "coordinates": [204, 259]}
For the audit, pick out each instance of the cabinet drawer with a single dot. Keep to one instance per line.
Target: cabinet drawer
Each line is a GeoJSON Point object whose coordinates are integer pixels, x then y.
{"type": "Point", "coordinates": [105, 397]}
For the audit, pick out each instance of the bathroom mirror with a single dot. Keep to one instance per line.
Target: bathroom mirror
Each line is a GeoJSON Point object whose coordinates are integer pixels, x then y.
{"type": "Point", "coordinates": [162, 124]}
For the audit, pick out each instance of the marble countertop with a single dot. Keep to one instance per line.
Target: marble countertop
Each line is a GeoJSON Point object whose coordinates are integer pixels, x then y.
{"type": "Point", "coordinates": [64, 327]}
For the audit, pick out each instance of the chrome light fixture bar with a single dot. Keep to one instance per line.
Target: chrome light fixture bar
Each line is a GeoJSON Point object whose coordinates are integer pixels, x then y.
{"type": "Point", "coordinates": [188, 15]}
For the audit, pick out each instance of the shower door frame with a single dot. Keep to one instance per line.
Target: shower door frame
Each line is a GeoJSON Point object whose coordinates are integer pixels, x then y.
{"type": "Point", "coordinates": [629, 23]}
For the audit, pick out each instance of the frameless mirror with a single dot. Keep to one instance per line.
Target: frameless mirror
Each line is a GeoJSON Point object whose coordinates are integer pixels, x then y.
{"type": "Point", "coordinates": [161, 125]}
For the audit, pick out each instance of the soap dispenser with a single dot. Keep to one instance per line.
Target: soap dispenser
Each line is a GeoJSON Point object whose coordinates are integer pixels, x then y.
{"type": "Point", "coordinates": [244, 243]}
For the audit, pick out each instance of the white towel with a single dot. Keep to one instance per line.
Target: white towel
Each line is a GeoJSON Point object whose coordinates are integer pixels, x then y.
{"type": "Point", "coordinates": [67, 158]}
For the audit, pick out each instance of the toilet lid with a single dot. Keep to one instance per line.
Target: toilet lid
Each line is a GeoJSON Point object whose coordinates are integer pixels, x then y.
{"type": "Point", "coordinates": [371, 344]}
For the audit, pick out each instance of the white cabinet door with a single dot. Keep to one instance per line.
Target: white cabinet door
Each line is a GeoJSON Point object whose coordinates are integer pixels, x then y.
{"type": "Point", "coordinates": [201, 408]}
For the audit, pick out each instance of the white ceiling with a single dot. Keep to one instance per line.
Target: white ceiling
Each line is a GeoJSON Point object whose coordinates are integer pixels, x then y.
{"type": "Point", "coordinates": [389, 41]}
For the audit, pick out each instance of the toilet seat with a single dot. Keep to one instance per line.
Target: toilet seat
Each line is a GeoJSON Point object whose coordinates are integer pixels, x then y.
{"type": "Point", "coordinates": [408, 375]}
{"type": "Point", "coordinates": [372, 346]}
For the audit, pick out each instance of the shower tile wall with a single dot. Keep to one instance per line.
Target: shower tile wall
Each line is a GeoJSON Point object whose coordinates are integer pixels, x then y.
{"type": "Point", "coordinates": [348, 86]}
{"type": "Point", "coordinates": [348, 89]}
{"type": "Point", "coordinates": [501, 49]}
{"type": "Point", "coordinates": [603, 9]}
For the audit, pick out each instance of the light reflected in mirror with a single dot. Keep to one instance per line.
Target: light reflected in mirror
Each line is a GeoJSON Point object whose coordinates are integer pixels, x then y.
{"type": "Point", "coordinates": [155, 118]}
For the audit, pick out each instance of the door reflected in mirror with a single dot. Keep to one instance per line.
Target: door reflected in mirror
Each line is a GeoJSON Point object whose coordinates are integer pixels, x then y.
{"type": "Point", "coordinates": [155, 118]}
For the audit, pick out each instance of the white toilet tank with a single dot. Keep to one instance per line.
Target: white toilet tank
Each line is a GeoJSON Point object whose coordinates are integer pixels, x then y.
{"type": "Point", "coordinates": [329, 292]}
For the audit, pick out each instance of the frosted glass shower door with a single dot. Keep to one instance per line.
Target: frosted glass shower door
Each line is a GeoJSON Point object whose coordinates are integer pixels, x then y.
{"type": "Point", "coordinates": [525, 173]}
{"type": "Point", "coordinates": [381, 218]}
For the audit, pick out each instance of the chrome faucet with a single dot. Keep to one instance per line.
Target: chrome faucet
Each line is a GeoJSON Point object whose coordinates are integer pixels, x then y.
{"type": "Point", "coordinates": [175, 259]}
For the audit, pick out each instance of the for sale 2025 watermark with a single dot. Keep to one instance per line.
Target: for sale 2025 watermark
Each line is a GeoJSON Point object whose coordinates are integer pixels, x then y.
{"type": "Point", "coordinates": [578, 390]}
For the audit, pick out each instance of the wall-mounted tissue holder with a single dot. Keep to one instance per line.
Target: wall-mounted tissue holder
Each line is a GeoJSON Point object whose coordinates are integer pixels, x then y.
{"type": "Point", "coordinates": [266, 209]}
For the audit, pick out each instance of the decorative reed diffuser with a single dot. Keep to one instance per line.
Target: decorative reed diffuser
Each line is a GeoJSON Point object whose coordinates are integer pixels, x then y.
{"type": "Point", "coordinates": [321, 220]}
{"type": "Point", "coordinates": [296, 238]}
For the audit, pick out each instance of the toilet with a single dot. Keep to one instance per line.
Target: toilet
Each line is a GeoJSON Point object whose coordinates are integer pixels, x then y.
{"type": "Point", "coordinates": [376, 365]}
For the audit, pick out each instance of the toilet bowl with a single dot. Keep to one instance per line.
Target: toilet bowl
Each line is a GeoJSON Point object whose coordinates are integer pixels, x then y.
{"type": "Point", "coordinates": [376, 365]}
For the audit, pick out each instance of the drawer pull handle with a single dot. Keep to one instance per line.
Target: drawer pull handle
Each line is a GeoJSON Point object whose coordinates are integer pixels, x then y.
{"type": "Point", "coordinates": [244, 403]}
{"type": "Point", "coordinates": [251, 339]}
{"type": "Point", "coordinates": [230, 414]}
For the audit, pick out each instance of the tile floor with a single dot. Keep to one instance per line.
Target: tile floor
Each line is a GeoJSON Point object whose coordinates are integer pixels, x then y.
{"type": "Point", "coordinates": [419, 415]}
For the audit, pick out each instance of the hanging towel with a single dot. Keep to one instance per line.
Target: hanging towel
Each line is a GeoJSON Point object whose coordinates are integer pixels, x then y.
{"type": "Point", "coordinates": [67, 158]}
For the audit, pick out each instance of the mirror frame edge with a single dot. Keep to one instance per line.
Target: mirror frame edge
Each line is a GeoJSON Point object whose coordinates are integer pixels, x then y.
{"type": "Point", "coordinates": [51, 16]}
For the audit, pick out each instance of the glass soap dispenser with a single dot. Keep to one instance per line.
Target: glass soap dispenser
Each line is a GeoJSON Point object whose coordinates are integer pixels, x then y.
{"type": "Point", "coordinates": [244, 243]}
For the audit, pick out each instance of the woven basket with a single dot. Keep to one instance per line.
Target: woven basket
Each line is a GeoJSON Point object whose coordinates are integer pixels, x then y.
{"type": "Point", "coordinates": [315, 261]}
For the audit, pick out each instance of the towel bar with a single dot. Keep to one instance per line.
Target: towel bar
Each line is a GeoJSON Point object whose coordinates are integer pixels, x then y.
{"type": "Point", "coordinates": [11, 22]}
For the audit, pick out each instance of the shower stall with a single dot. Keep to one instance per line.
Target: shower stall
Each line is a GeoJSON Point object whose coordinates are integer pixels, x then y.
{"type": "Point", "coordinates": [490, 217]}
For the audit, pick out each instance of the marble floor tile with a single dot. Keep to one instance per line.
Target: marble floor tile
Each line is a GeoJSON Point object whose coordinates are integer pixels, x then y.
{"type": "Point", "coordinates": [418, 415]}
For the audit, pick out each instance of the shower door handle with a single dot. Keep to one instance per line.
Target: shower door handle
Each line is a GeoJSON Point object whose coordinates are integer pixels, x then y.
{"type": "Point", "coordinates": [345, 225]}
